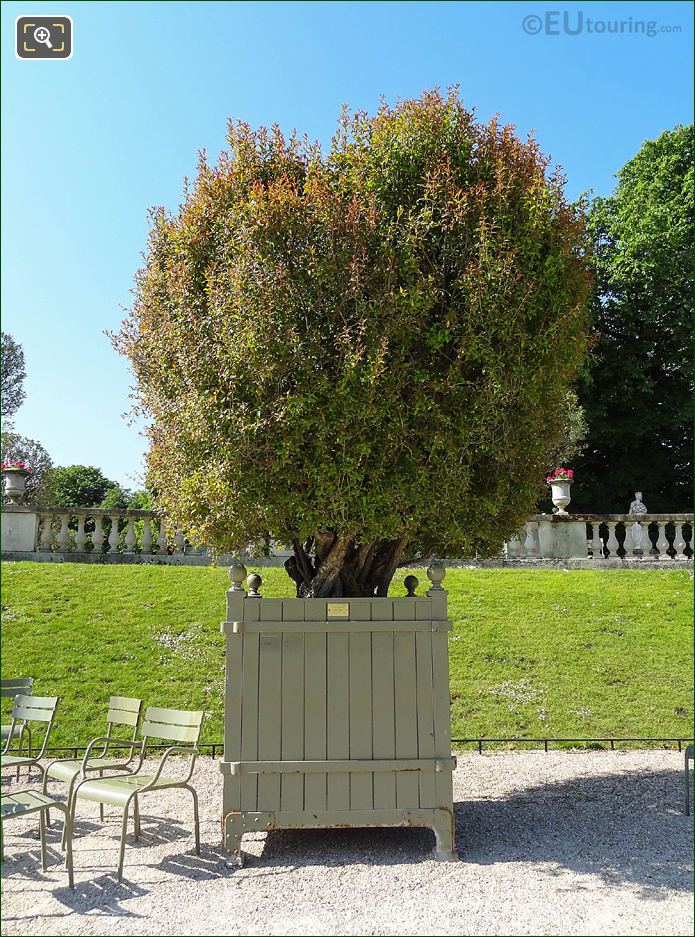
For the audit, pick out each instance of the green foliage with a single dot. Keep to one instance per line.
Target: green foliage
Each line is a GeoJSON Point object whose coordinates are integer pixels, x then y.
{"type": "Point", "coordinates": [83, 486]}
{"type": "Point", "coordinates": [116, 497]}
{"type": "Point", "coordinates": [12, 391]}
{"type": "Point", "coordinates": [638, 392]}
{"type": "Point", "coordinates": [533, 653]}
{"type": "Point", "coordinates": [368, 350]}
{"type": "Point", "coordinates": [16, 448]}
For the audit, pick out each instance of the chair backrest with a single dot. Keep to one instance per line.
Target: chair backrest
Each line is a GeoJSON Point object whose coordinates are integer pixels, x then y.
{"type": "Point", "coordinates": [14, 687]}
{"type": "Point", "coordinates": [123, 711]}
{"type": "Point", "coordinates": [172, 725]}
{"type": "Point", "coordinates": [35, 709]}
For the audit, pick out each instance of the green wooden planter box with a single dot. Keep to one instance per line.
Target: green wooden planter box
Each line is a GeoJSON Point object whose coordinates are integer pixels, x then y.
{"type": "Point", "coordinates": [337, 715]}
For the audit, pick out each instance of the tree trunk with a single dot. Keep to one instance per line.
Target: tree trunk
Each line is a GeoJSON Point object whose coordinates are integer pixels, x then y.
{"type": "Point", "coordinates": [331, 566]}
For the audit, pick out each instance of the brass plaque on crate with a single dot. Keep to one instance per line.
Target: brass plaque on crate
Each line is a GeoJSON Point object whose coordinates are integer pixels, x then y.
{"type": "Point", "coordinates": [338, 609]}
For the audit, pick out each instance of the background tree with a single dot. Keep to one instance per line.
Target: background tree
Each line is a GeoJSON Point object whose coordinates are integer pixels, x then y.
{"type": "Point", "coordinates": [83, 486]}
{"type": "Point", "coordinates": [363, 355]}
{"type": "Point", "coordinates": [13, 373]}
{"type": "Point", "coordinates": [16, 448]}
{"type": "Point", "coordinates": [637, 394]}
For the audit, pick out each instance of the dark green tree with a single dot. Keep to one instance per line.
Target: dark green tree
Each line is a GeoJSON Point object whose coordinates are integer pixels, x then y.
{"type": "Point", "coordinates": [362, 353]}
{"type": "Point", "coordinates": [83, 486]}
{"type": "Point", "coordinates": [637, 393]}
{"type": "Point", "coordinates": [12, 391]}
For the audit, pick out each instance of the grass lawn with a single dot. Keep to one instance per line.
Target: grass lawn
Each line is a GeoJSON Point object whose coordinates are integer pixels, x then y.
{"type": "Point", "coordinates": [533, 653]}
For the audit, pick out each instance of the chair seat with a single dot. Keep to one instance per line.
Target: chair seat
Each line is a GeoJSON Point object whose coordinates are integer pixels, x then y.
{"type": "Point", "coordinates": [23, 802]}
{"type": "Point", "coordinates": [117, 790]}
{"type": "Point", "coordinates": [66, 769]}
{"type": "Point", "coordinates": [17, 761]}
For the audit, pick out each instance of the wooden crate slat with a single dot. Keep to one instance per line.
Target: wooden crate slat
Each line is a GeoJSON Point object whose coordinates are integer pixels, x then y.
{"type": "Point", "coordinates": [338, 716]}
{"type": "Point", "coordinates": [425, 716]}
{"type": "Point", "coordinates": [315, 699]}
{"type": "Point", "coordinates": [407, 793]}
{"type": "Point", "coordinates": [249, 716]}
{"type": "Point", "coordinates": [383, 722]}
{"type": "Point", "coordinates": [361, 782]}
{"type": "Point", "coordinates": [269, 717]}
{"type": "Point", "coordinates": [292, 714]}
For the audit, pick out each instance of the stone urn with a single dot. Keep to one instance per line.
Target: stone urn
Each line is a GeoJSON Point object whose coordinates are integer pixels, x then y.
{"type": "Point", "coordinates": [15, 482]}
{"type": "Point", "coordinates": [560, 493]}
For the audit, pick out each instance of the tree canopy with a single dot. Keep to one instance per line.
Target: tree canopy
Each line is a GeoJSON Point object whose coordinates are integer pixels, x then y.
{"type": "Point", "coordinates": [84, 486]}
{"type": "Point", "coordinates": [12, 392]}
{"type": "Point", "coordinates": [364, 353]}
{"type": "Point", "coordinates": [637, 394]}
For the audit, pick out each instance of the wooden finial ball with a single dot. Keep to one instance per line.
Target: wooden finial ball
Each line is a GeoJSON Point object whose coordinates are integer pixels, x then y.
{"type": "Point", "coordinates": [436, 573]}
{"type": "Point", "coordinates": [411, 583]}
{"type": "Point", "coordinates": [254, 582]}
{"type": "Point", "coordinates": [237, 574]}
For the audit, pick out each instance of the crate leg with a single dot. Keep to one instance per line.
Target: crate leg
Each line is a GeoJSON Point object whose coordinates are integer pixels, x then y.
{"type": "Point", "coordinates": [443, 826]}
{"type": "Point", "coordinates": [232, 831]}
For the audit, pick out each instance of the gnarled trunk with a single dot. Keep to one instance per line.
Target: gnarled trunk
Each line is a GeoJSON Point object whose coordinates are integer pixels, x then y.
{"type": "Point", "coordinates": [331, 566]}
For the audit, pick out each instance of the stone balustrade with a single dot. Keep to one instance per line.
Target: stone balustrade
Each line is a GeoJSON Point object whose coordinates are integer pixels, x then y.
{"type": "Point", "coordinates": [112, 536]}
{"type": "Point", "coordinates": [604, 537]}
{"type": "Point", "coordinates": [102, 534]}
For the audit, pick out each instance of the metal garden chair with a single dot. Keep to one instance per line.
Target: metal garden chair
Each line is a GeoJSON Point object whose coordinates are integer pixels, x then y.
{"type": "Point", "coordinates": [29, 709]}
{"type": "Point", "coordinates": [11, 688]}
{"type": "Point", "coordinates": [170, 725]}
{"type": "Point", "coordinates": [123, 711]}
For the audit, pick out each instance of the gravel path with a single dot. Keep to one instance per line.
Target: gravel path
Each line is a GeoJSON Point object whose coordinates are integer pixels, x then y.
{"type": "Point", "coordinates": [559, 843]}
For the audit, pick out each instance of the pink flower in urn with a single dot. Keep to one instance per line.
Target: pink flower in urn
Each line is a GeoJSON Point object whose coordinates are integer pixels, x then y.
{"type": "Point", "coordinates": [560, 474]}
{"type": "Point", "coordinates": [15, 465]}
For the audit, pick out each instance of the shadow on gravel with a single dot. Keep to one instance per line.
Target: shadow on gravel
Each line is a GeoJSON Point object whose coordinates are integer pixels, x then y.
{"type": "Point", "coordinates": [626, 828]}
{"type": "Point", "coordinates": [101, 896]}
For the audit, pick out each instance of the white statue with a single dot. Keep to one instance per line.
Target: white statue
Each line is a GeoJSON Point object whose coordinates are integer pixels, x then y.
{"type": "Point", "coordinates": [639, 509]}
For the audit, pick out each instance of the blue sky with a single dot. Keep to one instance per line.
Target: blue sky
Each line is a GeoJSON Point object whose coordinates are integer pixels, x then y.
{"type": "Point", "coordinates": [90, 143]}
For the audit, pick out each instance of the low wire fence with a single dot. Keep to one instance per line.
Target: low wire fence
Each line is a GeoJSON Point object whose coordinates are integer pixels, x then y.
{"type": "Point", "coordinates": [217, 748]}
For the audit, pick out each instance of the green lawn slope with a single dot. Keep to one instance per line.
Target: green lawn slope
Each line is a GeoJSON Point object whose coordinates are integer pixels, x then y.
{"type": "Point", "coordinates": [533, 653]}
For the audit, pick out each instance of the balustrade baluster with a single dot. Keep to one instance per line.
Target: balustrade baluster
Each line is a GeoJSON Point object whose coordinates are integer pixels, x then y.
{"type": "Point", "coordinates": [612, 542]}
{"type": "Point", "coordinates": [662, 541]}
{"type": "Point", "coordinates": [80, 536]}
{"type": "Point", "coordinates": [114, 536]}
{"type": "Point", "coordinates": [98, 535]}
{"type": "Point", "coordinates": [162, 539]}
{"type": "Point", "coordinates": [179, 541]}
{"type": "Point", "coordinates": [146, 535]}
{"type": "Point", "coordinates": [596, 541]}
{"type": "Point", "coordinates": [522, 543]}
{"type": "Point", "coordinates": [45, 545]}
{"type": "Point", "coordinates": [130, 538]}
{"type": "Point", "coordinates": [679, 542]}
{"type": "Point", "coordinates": [64, 534]}
{"type": "Point", "coordinates": [533, 544]}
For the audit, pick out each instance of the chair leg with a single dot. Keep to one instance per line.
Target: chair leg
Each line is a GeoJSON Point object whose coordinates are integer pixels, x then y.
{"type": "Point", "coordinates": [68, 804]}
{"type": "Point", "coordinates": [44, 790]}
{"type": "Point", "coordinates": [42, 836]}
{"type": "Point", "coordinates": [196, 820]}
{"type": "Point", "coordinates": [101, 806]}
{"type": "Point", "coordinates": [67, 835]}
{"type": "Point", "coordinates": [136, 817]}
{"type": "Point", "coordinates": [124, 830]}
